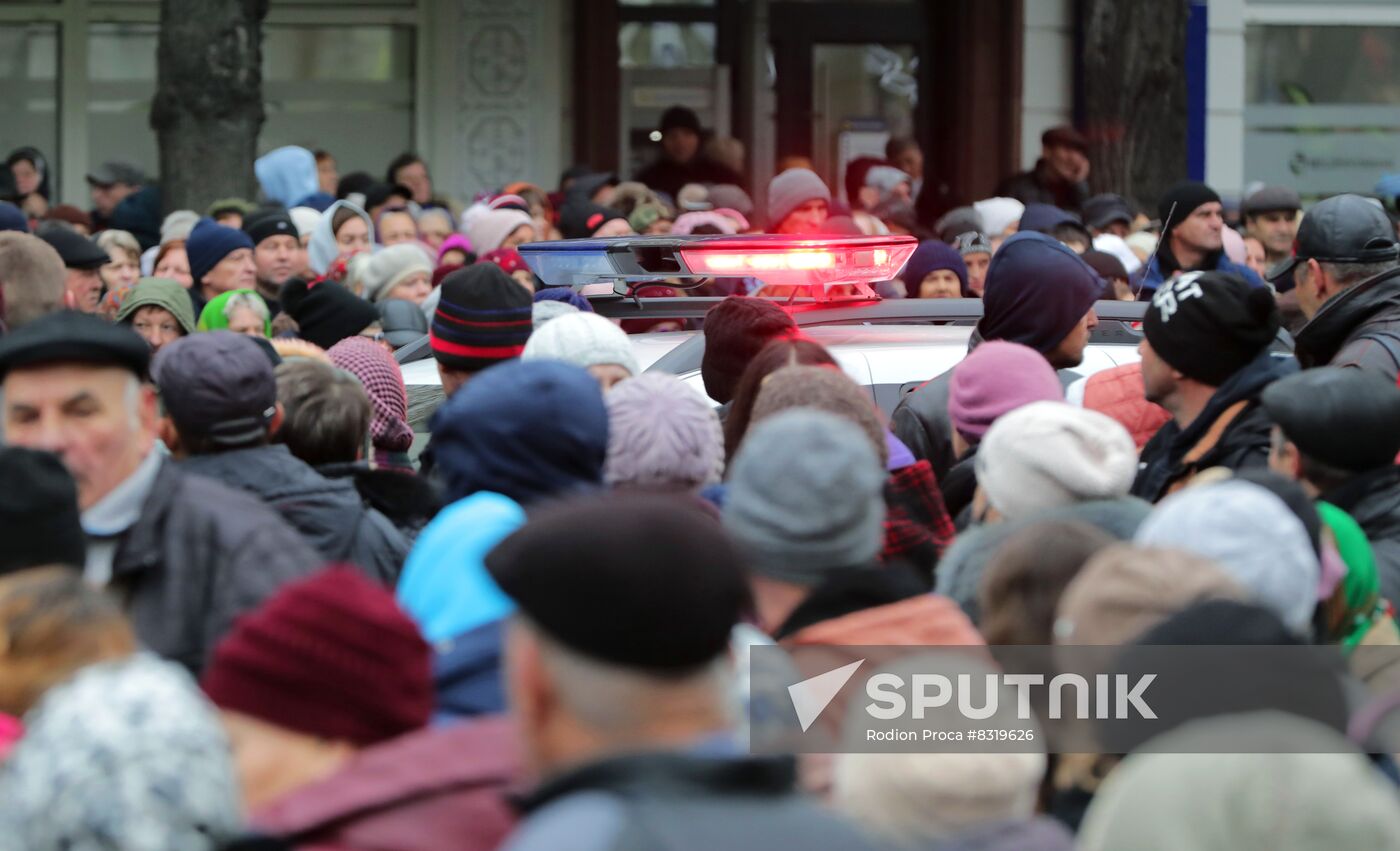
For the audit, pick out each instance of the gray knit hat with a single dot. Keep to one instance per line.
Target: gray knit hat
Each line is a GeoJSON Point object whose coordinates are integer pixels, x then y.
{"type": "Point", "coordinates": [662, 435]}
{"type": "Point", "coordinates": [792, 189]}
{"type": "Point", "coordinates": [805, 496]}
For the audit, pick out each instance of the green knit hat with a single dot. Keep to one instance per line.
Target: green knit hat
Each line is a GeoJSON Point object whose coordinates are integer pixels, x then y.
{"type": "Point", "coordinates": [163, 293]}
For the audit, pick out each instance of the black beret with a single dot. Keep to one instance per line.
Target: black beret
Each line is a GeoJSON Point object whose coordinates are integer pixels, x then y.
{"type": "Point", "coordinates": [77, 251]}
{"type": "Point", "coordinates": [72, 337]}
{"type": "Point", "coordinates": [638, 581]}
{"type": "Point", "coordinates": [1343, 417]}
{"type": "Point", "coordinates": [38, 512]}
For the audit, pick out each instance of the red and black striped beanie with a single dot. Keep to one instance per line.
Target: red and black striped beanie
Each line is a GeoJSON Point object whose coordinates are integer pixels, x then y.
{"type": "Point", "coordinates": [483, 317]}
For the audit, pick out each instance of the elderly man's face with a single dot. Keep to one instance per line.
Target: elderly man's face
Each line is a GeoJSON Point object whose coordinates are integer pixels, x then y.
{"type": "Point", "coordinates": [98, 420]}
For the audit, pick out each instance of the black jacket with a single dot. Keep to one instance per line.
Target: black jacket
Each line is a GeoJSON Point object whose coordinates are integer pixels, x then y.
{"type": "Point", "coordinates": [1243, 444]}
{"type": "Point", "coordinates": [200, 555]}
{"type": "Point", "coordinates": [1042, 185]}
{"type": "Point", "coordinates": [666, 175]}
{"type": "Point", "coordinates": [680, 801]}
{"type": "Point", "coordinates": [328, 513]}
{"type": "Point", "coordinates": [1373, 501]}
{"type": "Point", "coordinates": [1359, 327]}
{"type": "Point", "coordinates": [409, 501]}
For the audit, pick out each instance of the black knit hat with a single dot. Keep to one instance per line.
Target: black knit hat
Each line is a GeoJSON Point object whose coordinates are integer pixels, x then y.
{"type": "Point", "coordinates": [325, 311]}
{"type": "Point", "coordinates": [38, 512]}
{"type": "Point", "coordinates": [580, 219]}
{"type": "Point", "coordinates": [1180, 201]}
{"type": "Point", "coordinates": [483, 317]}
{"type": "Point", "coordinates": [1209, 325]}
{"type": "Point", "coordinates": [1346, 418]}
{"type": "Point", "coordinates": [662, 598]}
{"type": "Point", "coordinates": [736, 330]}
{"type": "Point", "coordinates": [680, 117]}
{"type": "Point", "coordinates": [270, 222]}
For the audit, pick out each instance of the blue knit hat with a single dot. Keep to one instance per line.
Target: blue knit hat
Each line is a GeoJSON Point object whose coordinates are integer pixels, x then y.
{"type": "Point", "coordinates": [566, 295]}
{"type": "Point", "coordinates": [211, 242]}
{"type": "Point", "coordinates": [933, 255]}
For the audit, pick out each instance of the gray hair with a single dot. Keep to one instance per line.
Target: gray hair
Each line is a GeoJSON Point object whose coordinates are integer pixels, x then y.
{"type": "Point", "coordinates": [109, 239]}
{"type": "Point", "coordinates": [1348, 275]}
{"type": "Point", "coordinates": [248, 300]}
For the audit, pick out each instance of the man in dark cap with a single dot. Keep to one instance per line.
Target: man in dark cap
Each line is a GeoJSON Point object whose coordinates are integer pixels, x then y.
{"type": "Point", "coordinates": [1205, 358]}
{"type": "Point", "coordinates": [82, 258]}
{"type": "Point", "coordinates": [111, 183]}
{"type": "Point", "coordinates": [1271, 216]}
{"type": "Point", "coordinates": [1060, 176]}
{"type": "Point", "coordinates": [1108, 213]}
{"type": "Point", "coordinates": [38, 512]}
{"type": "Point", "coordinates": [185, 554]}
{"type": "Point", "coordinates": [619, 678]}
{"type": "Point", "coordinates": [1192, 220]}
{"type": "Point", "coordinates": [1336, 433]}
{"type": "Point", "coordinates": [277, 253]}
{"type": "Point", "coordinates": [1038, 293]}
{"type": "Point", "coordinates": [221, 260]}
{"type": "Point", "coordinates": [681, 161]}
{"type": "Point", "coordinates": [1348, 286]}
{"type": "Point", "coordinates": [219, 397]}
{"type": "Point", "coordinates": [483, 318]}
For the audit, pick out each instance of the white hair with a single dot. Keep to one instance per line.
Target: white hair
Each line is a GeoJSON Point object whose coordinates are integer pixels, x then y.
{"type": "Point", "coordinates": [248, 300]}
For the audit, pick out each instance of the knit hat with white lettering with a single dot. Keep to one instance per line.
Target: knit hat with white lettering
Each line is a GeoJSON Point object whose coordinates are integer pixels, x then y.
{"type": "Point", "coordinates": [1209, 325]}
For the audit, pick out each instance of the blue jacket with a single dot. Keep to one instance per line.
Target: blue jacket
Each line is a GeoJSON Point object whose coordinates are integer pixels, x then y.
{"type": "Point", "coordinates": [1146, 280]}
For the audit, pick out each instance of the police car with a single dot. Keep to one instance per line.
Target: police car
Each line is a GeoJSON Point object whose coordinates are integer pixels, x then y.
{"type": "Point", "coordinates": [889, 346]}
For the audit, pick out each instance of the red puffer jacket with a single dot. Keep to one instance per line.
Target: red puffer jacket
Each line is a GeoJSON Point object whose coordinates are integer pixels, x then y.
{"type": "Point", "coordinates": [1118, 392]}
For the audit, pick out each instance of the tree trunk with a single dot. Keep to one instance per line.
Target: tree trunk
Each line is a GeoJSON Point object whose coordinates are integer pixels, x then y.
{"type": "Point", "coordinates": [208, 107]}
{"type": "Point", "coordinates": [1134, 83]}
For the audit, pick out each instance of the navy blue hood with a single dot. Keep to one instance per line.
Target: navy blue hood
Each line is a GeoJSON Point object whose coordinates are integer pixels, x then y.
{"type": "Point", "coordinates": [527, 430]}
{"type": "Point", "coordinates": [1037, 290]}
{"type": "Point", "coordinates": [1044, 218]}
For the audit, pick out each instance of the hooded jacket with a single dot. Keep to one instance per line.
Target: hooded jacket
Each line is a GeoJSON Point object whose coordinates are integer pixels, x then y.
{"type": "Point", "coordinates": [328, 513]}
{"type": "Point", "coordinates": [1231, 431]}
{"type": "Point", "coordinates": [287, 175]}
{"type": "Point", "coordinates": [321, 249]}
{"type": "Point", "coordinates": [1359, 327]}
{"type": "Point", "coordinates": [1373, 501]}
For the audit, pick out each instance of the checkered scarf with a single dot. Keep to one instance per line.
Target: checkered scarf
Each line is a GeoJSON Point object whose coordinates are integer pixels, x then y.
{"type": "Point", "coordinates": [382, 380]}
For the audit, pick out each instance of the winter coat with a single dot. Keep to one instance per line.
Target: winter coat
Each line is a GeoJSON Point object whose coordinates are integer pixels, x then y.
{"type": "Point", "coordinates": [1359, 327]}
{"type": "Point", "coordinates": [1120, 394]}
{"type": "Point", "coordinates": [681, 801]}
{"type": "Point", "coordinates": [668, 176]}
{"type": "Point", "coordinates": [1037, 833]}
{"type": "Point", "coordinates": [959, 487]}
{"type": "Point", "coordinates": [467, 676]}
{"type": "Point", "coordinates": [408, 500]}
{"type": "Point", "coordinates": [1373, 501]}
{"type": "Point", "coordinates": [200, 555]}
{"type": "Point", "coordinates": [917, 526]}
{"type": "Point", "coordinates": [327, 512]}
{"type": "Point", "coordinates": [1231, 431]}
{"type": "Point", "coordinates": [1154, 272]}
{"type": "Point", "coordinates": [428, 790]}
{"type": "Point", "coordinates": [1042, 185]}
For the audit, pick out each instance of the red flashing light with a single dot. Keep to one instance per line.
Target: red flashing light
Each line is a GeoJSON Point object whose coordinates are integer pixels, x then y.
{"type": "Point", "coordinates": [810, 263]}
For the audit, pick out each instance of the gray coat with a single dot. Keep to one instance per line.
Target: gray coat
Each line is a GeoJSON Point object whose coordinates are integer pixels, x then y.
{"type": "Point", "coordinates": [200, 555]}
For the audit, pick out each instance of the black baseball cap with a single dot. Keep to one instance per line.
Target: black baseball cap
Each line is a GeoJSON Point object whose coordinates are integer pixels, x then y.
{"type": "Point", "coordinates": [1342, 229]}
{"type": "Point", "coordinates": [1102, 210]}
{"type": "Point", "coordinates": [217, 385]}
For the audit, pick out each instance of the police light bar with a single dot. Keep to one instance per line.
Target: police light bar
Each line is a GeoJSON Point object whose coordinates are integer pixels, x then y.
{"type": "Point", "coordinates": [816, 262]}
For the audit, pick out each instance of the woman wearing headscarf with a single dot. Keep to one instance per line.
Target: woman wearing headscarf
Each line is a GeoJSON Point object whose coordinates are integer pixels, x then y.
{"type": "Point", "coordinates": [159, 310]}
{"type": "Point", "coordinates": [343, 231]}
{"type": "Point", "coordinates": [29, 172]}
{"type": "Point", "coordinates": [239, 311]}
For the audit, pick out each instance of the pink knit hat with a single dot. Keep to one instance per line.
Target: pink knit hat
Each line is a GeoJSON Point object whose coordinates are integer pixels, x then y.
{"type": "Point", "coordinates": [996, 378]}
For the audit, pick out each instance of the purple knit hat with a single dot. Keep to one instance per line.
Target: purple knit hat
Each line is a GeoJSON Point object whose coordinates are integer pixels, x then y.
{"type": "Point", "coordinates": [383, 383]}
{"type": "Point", "coordinates": [996, 378]}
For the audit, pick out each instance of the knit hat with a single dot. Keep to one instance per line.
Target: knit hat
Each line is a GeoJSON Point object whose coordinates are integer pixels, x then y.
{"type": "Point", "coordinates": [483, 317]}
{"type": "Point", "coordinates": [582, 339]}
{"type": "Point", "coordinates": [686, 223]}
{"type": "Point", "coordinates": [1210, 325]}
{"type": "Point", "coordinates": [821, 388]}
{"type": "Point", "coordinates": [265, 224]}
{"type": "Point", "coordinates": [489, 228]}
{"type": "Point", "coordinates": [527, 430]}
{"type": "Point", "coordinates": [805, 496]}
{"type": "Point", "coordinates": [680, 117]}
{"type": "Point", "coordinates": [548, 310]}
{"type": "Point", "coordinates": [214, 316]}
{"type": "Point", "coordinates": [1116, 246]}
{"type": "Point", "coordinates": [955, 221]}
{"type": "Point", "coordinates": [973, 242]}
{"type": "Point", "coordinates": [330, 656]}
{"type": "Point", "coordinates": [662, 435]}
{"type": "Point", "coordinates": [998, 214]}
{"type": "Point", "coordinates": [565, 294]}
{"type": "Point", "coordinates": [1047, 454]}
{"type": "Point", "coordinates": [159, 292]}
{"type": "Point", "coordinates": [209, 243]}
{"type": "Point", "coordinates": [1180, 201]}
{"type": "Point", "coordinates": [304, 218]}
{"type": "Point", "coordinates": [507, 258]}
{"type": "Point", "coordinates": [391, 266]}
{"type": "Point", "coordinates": [1037, 290]}
{"type": "Point", "coordinates": [382, 379]}
{"type": "Point", "coordinates": [579, 219]}
{"type": "Point", "coordinates": [792, 189]}
{"type": "Point", "coordinates": [1252, 535]}
{"type": "Point", "coordinates": [727, 196]}
{"type": "Point", "coordinates": [457, 242]}
{"type": "Point", "coordinates": [995, 378]}
{"type": "Point", "coordinates": [326, 312]}
{"type": "Point", "coordinates": [12, 218]}
{"type": "Point", "coordinates": [1124, 590]}
{"type": "Point", "coordinates": [662, 598]}
{"type": "Point", "coordinates": [1344, 418]}
{"type": "Point", "coordinates": [931, 256]}
{"type": "Point", "coordinates": [39, 511]}
{"type": "Point", "coordinates": [736, 330]}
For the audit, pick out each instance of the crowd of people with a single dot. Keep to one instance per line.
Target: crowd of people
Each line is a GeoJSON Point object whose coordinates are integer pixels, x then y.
{"type": "Point", "coordinates": [241, 606]}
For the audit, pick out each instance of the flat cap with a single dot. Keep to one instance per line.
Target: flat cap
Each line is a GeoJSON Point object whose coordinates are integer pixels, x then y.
{"type": "Point", "coordinates": [77, 251]}
{"type": "Point", "coordinates": [1271, 198]}
{"type": "Point", "coordinates": [1343, 417]}
{"type": "Point", "coordinates": [72, 337]}
{"type": "Point", "coordinates": [218, 385]}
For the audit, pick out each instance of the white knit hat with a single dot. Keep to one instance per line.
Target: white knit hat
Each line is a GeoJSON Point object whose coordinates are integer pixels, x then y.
{"type": "Point", "coordinates": [998, 213]}
{"type": "Point", "coordinates": [391, 266]}
{"type": "Point", "coordinates": [582, 339]}
{"type": "Point", "coordinates": [488, 228]}
{"type": "Point", "coordinates": [1051, 454]}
